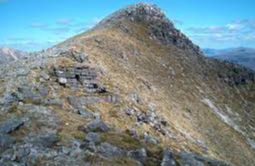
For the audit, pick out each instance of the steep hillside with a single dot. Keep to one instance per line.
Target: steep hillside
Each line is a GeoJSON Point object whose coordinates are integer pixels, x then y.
{"type": "Point", "coordinates": [242, 56]}
{"type": "Point", "coordinates": [131, 91]}
{"type": "Point", "coordinates": [9, 54]}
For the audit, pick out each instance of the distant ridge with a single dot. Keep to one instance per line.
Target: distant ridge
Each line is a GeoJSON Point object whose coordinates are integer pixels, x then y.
{"type": "Point", "coordinates": [240, 55]}
{"type": "Point", "coordinates": [10, 54]}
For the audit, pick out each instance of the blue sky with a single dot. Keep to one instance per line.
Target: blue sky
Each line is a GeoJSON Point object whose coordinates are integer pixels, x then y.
{"type": "Point", "coordinates": [37, 24]}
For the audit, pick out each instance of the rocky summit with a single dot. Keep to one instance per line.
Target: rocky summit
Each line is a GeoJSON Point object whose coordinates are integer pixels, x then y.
{"type": "Point", "coordinates": [133, 90]}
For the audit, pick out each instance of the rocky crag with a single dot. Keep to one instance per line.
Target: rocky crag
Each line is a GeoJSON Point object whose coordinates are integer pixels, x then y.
{"type": "Point", "coordinates": [131, 91]}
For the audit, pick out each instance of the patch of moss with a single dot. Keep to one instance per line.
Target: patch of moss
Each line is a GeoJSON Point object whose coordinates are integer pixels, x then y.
{"type": "Point", "coordinates": [13, 108]}
{"type": "Point", "coordinates": [154, 151]}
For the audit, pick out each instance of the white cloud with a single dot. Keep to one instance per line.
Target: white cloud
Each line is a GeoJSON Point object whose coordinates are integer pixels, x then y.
{"type": "Point", "coordinates": [64, 21]}
{"type": "Point", "coordinates": [38, 25]}
{"type": "Point", "coordinates": [234, 26]}
{"type": "Point", "coordinates": [236, 32]}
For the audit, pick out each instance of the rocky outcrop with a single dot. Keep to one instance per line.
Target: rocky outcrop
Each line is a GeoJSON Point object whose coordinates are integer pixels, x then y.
{"type": "Point", "coordinates": [150, 117]}
{"type": "Point", "coordinates": [75, 55]}
{"type": "Point", "coordinates": [98, 126]}
{"type": "Point", "coordinates": [239, 76]}
{"type": "Point", "coordinates": [160, 27]}
{"type": "Point", "coordinates": [76, 77]}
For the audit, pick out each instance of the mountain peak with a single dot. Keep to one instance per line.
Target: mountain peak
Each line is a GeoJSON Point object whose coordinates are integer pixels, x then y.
{"type": "Point", "coordinates": [144, 12]}
{"type": "Point", "coordinates": [138, 12]}
{"type": "Point", "coordinates": [158, 26]}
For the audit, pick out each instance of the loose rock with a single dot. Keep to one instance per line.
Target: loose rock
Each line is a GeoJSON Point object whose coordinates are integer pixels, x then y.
{"type": "Point", "coordinates": [62, 80]}
{"type": "Point", "coordinates": [45, 140]}
{"type": "Point", "coordinates": [109, 151]}
{"type": "Point", "coordinates": [149, 139]}
{"type": "Point", "coordinates": [168, 159]}
{"type": "Point", "coordinates": [45, 76]}
{"type": "Point", "coordinates": [11, 125]}
{"type": "Point", "coordinates": [97, 126]}
{"type": "Point", "coordinates": [139, 154]}
{"type": "Point", "coordinates": [93, 137]}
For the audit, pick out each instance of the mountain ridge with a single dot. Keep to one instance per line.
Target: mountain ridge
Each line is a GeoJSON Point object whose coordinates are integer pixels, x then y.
{"type": "Point", "coordinates": [240, 55]}
{"type": "Point", "coordinates": [10, 54]}
{"type": "Point", "coordinates": [120, 94]}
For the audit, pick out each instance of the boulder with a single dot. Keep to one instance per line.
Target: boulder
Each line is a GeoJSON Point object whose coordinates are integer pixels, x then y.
{"type": "Point", "coordinates": [79, 77]}
{"type": "Point", "coordinates": [75, 55]}
{"type": "Point", "coordinates": [168, 159]}
{"type": "Point", "coordinates": [135, 97]}
{"type": "Point", "coordinates": [97, 126]}
{"type": "Point", "coordinates": [79, 102]}
{"type": "Point", "coordinates": [189, 159]}
{"type": "Point", "coordinates": [79, 57]}
{"type": "Point", "coordinates": [93, 137]}
{"type": "Point", "coordinates": [109, 151]}
{"type": "Point", "coordinates": [197, 160]}
{"type": "Point", "coordinates": [23, 72]}
{"type": "Point", "coordinates": [11, 125]}
{"type": "Point", "coordinates": [139, 155]}
{"type": "Point", "coordinates": [89, 146]}
{"type": "Point", "coordinates": [42, 115]}
{"type": "Point", "coordinates": [130, 111]}
{"type": "Point", "coordinates": [46, 140]}
{"type": "Point", "coordinates": [53, 101]}
{"type": "Point", "coordinates": [45, 76]}
{"type": "Point", "coordinates": [62, 81]}
{"type": "Point", "coordinates": [8, 99]}
{"type": "Point", "coordinates": [28, 93]}
{"type": "Point", "coordinates": [150, 139]}
{"type": "Point", "coordinates": [85, 113]}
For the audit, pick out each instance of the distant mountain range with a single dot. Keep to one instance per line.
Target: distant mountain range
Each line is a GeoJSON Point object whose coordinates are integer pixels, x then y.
{"type": "Point", "coordinates": [241, 55]}
{"type": "Point", "coordinates": [10, 54]}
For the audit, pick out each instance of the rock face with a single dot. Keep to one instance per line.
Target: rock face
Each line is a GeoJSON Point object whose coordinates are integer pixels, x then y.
{"type": "Point", "coordinates": [131, 91]}
{"type": "Point", "coordinates": [78, 76]}
{"type": "Point", "coordinates": [10, 125]}
{"type": "Point", "coordinates": [6, 141]}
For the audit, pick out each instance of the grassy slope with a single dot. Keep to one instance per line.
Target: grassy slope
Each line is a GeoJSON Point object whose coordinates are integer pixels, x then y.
{"type": "Point", "coordinates": [176, 82]}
